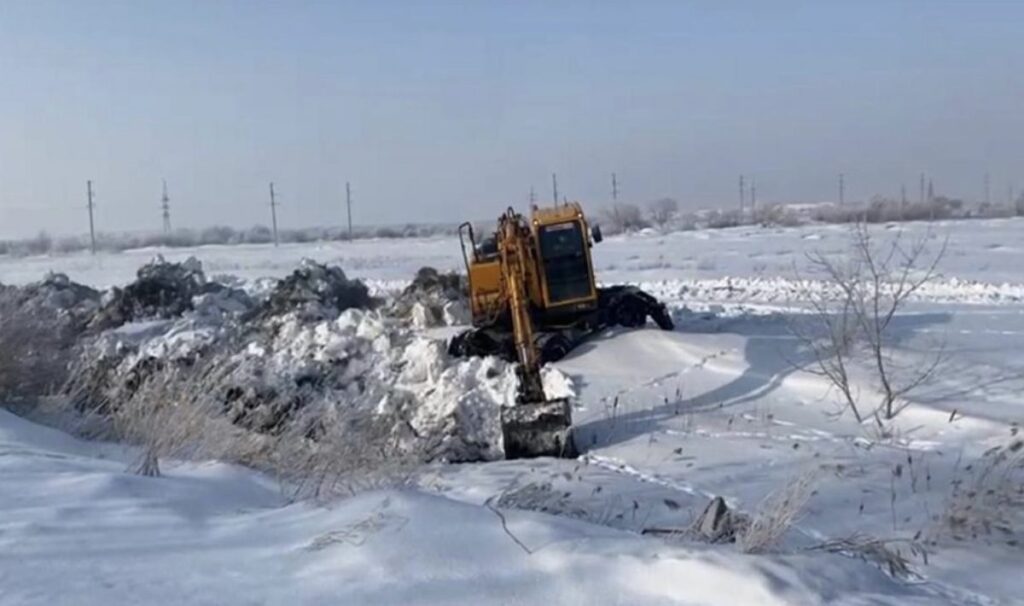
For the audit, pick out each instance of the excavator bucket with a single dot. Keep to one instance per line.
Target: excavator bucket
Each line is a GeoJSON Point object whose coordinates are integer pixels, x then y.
{"type": "Point", "coordinates": [538, 429]}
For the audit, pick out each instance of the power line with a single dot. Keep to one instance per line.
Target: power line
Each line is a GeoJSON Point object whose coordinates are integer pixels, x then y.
{"type": "Point", "coordinates": [273, 212]}
{"type": "Point", "coordinates": [165, 203]}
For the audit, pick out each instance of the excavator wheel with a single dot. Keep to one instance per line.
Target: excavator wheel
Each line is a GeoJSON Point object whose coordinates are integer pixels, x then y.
{"type": "Point", "coordinates": [630, 313]}
{"type": "Point", "coordinates": [662, 318]}
{"type": "Point", "coordinates": [553, 346]}
{"type": "Point", "coordinates": [629, 306]}
{"type": "Point", "coordinates": [481, 342]}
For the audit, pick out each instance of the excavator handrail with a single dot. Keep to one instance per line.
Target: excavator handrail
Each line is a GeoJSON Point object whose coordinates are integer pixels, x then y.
{"type": "Point", "coordinates": [467, 227]}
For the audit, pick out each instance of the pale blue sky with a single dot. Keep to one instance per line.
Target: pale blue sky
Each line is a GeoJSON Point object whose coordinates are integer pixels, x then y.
{"type": "Point", "coordinates": [438, 111]}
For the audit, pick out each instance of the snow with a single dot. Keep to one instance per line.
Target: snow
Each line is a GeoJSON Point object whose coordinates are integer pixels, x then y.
{"type": "Point", "coordinates": [667, 420]}
{"type": "Point", "coordinates": [76, 529]}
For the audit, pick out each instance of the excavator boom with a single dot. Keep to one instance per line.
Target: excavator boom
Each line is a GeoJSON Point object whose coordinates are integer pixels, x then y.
{"type": "Point", "coordinates": [535, 425]}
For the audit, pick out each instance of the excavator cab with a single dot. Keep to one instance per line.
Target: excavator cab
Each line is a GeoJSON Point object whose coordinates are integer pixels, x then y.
{"type": "Point", "coordinates": [560, 286]}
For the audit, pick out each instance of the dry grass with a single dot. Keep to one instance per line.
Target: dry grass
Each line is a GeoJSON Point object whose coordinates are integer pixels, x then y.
{"type": "Point", "coordinates": [342, 452]}
{"type": "Point", "coordinates": [776, 514]}
{"type": "Point", "coordinates": [170, 414]}
{"type": "Point", "coordinates": [330, 449]}
{"type": "Point", "coordinates": [893, 556]}
{"type": "Point", "coordinates": [987, 499]}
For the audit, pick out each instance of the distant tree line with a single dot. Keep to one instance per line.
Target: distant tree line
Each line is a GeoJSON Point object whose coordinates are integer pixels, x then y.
{"type": "Point", "coordinates": [664, 215]}
{"type": "Point", "coordinates": [43, 243]}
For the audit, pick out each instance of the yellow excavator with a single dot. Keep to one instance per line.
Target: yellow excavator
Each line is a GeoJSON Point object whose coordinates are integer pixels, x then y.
{"type": "Point", "coordinates": [533, 298]}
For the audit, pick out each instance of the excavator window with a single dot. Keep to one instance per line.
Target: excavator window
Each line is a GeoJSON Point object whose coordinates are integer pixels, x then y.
{"type": "Point", "coordinates": [567, 272]}
{"type": "Point", "coordinates": [487, 250]}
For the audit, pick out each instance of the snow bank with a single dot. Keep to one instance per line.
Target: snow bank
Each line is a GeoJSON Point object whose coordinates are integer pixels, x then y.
{"type": "Point", "coordinates": [312, 343]}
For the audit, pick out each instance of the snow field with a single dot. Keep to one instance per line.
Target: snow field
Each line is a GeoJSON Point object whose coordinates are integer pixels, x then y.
{"type": "Point", "coordinates": [668, 420]}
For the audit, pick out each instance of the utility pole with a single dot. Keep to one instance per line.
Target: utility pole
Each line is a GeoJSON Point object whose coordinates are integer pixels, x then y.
{"type": "Point", "coordinates": [842, 192]}
{"type": "Point", "coordinates": [753, 194]}
{"type": "Point", "coordinates": [348, 206]}
{"type": "Point", "coordinates": [554, 187]}
{"type": "Point", "coordinates": [165, 204]}
{"type": "Point", "coordinates": [743, 194]}
{"type": "Point", "coordinates": [988, 199]}
{"type": "Point", "coordinates": [922, 188]}
{"type": "Point", "coordinates": [533, 197]}
{"type": "Point", "coordinates": [931, 200]}
{"type": "Point", "coordinates": [615, 189]}
{"type": "Point", "coordinates": [273, 212]}
{"type": "Point", "coordinates": [92, 225]}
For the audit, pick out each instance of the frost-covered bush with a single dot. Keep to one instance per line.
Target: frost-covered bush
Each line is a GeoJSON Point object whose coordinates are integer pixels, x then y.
{"type": "Point", "coordinates": [39, 323]}
{"type": "Point", "coordinates": [623, 217]}
{"type": "Point", "coordinates": [719, 219]}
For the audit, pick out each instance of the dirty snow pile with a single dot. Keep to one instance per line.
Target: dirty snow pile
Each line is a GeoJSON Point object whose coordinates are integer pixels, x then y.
{"type": "Point", "coordinates": [433, 299]}
{"type": "Point", "coordinates": [316, 341]}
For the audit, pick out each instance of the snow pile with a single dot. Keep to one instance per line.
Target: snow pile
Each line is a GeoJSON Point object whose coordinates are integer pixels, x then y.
{"type": "Point", "coordinates": [39, 324]}
{"type": "Point", "coordinates": [434, 299]}
{"type": "Point", "coordinates": [365, 359]}
{"type": "Point", "coordinates": [56, 298]}
{"type": "Point", "coordinates": [314, 345]}
{"type": "Point", "coordinates": [160, 290]}
{"type": "Point", "coordinates": [315, 292]}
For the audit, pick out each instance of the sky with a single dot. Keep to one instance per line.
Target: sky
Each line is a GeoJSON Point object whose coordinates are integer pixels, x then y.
{"type": "Point", "coordinates": [444, 111]}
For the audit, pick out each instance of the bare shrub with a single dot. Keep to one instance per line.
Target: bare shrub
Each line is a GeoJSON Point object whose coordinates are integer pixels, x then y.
{"type": "Point", "coordinates": [852, 317]}
{"type": "Point", "coordinates": [994, 211]}
{"type": "Point", "coordinates": [776, 214]}
{"type": "Point", "coordinates": [662, 210]}
{"type": "Point", "coordinates": [623, 217]}
{"type": "Point", "coordinates": [987, 498]}
{"type": "Point", "coordinates": [776, 514]}
{"type": "Point", "coordinates": [830, 213]}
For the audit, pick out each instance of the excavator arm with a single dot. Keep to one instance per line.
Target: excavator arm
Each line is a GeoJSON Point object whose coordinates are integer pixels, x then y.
{"type": "Point", "coordinates": [535, 425]}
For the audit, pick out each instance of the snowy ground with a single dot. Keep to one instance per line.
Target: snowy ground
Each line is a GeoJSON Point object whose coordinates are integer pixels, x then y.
{"type": "Point", "coordinates": [668, 420]}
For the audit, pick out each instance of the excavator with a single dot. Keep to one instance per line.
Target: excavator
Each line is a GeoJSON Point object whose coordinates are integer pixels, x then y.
{"type": "Point", "coordinates": [533, 298]}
